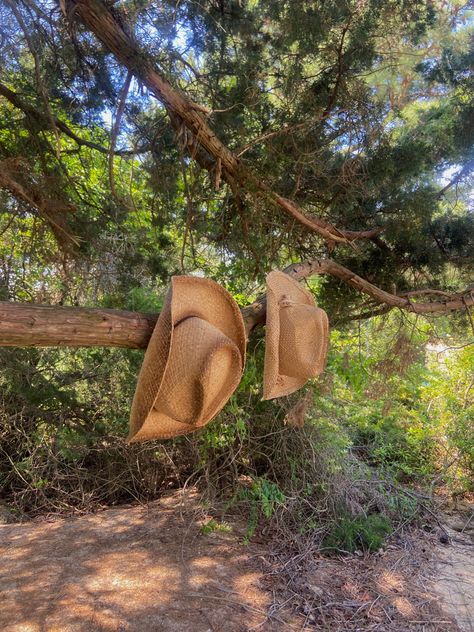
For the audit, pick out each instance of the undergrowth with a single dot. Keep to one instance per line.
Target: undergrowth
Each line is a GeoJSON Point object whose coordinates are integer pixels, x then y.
{"type": "Point", "coordinates": [337, 466]}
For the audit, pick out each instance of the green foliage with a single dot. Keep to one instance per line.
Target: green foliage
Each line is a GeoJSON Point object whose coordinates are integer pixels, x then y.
{"type": "Point", "coordinates": [263, 497]}
{"type": "Point", "coordinates": [211, 526]}
{"type": "Point", "coordinates": [349, 534]}
{"type": "Point", "coordinates": [449, 395]}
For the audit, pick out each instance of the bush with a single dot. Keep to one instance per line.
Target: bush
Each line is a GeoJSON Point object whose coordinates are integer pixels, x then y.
{"type": "Point", "coordinates": [349, 534]}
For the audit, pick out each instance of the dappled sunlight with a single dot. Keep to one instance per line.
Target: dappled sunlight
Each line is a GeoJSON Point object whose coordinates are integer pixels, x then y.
{"type": "Point", "coordinates": [389, 582]}
{"type": "Point", "coordinates": [404, 607]}
{"type": "Point", "coordinates": [351, 588]}
{"type": "Point", "coordinates": [355, 590]}
{"type": "Point", "coordinates": [114, 570]}
{"type": "Point", "coordinates": [146, 567]}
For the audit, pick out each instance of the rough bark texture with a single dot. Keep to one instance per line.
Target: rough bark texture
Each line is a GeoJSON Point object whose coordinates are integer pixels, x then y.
{"type": "Point", "coordinates": [27, 325]}
{"type": "Point", "coordinates": [183, 112]}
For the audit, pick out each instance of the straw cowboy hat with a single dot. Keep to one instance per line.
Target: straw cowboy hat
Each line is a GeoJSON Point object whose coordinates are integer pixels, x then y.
{"type": "Point", "coordinates": [296, 339]}
{"type": "Point", "coordinates": [193, 363]}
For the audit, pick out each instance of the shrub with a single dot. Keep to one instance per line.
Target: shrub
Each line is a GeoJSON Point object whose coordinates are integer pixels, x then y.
{"type": "Point", "coordinates": [349, 534]}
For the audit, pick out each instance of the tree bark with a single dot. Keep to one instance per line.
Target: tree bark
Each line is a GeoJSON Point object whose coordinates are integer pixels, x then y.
{"type": "Point", "coordinates": [183, 112]}
{"type": "Point", "coordinates": [28, 325]}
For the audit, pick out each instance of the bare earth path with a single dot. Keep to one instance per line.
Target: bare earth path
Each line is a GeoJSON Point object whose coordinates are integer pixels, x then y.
{"type": "Point", "coordinates": [454, 579]}
{"type": "Point", "coordinates": [140, 569]}
{"type": "Point", "coordinates": [151, 569]}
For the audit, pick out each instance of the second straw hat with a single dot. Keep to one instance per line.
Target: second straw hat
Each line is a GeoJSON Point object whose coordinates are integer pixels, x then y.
{"type": "Point", "coordinates": [193, 362]}
{"type": "Point", "coordinates": [296, 339]}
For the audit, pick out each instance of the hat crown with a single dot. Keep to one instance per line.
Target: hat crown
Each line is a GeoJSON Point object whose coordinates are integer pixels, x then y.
{"type": "Point", "coordinates": [300, 338]}
{"type": "Point", "coordinates": [201, 360]}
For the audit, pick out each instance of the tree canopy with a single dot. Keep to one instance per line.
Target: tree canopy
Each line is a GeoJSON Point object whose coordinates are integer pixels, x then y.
{"type": "Point", "coordinates": [282, 132]}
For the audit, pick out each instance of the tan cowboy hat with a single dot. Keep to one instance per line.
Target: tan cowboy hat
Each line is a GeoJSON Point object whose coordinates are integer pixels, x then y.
{"type": "Point", "coordinates": [296, 339]}
{"type": "Point", "coordinates": [193, 363]}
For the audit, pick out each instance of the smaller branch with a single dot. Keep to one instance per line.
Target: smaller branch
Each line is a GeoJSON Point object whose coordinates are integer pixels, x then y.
{"type": "Point", "coordinates": [39, 80]}
{"type": "Point", "coordinates": [425, 293]}
{"type": "Point", "coordinates": [264, 137]}
{"type": "Point", "coordinates": [40, 118]}
{"type": "Point", "coordinates": [468, 167]}
{"type": "Point", "coordinates": [379, 311]}
{"type": "Point", "coordinates": [321, 226]}
{"type": "Point", "coordinates": [115, 131]}
{"type": "Point", "coordinates": [340, 54]}
{"type": "Point", "coordinates": [53, 211]}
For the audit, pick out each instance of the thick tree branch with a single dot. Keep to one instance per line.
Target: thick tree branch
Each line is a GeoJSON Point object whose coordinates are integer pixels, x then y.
{"type": "Point", "coordinates": [27, 325]}
{"type": "Point", "coordinates": [183, 112]}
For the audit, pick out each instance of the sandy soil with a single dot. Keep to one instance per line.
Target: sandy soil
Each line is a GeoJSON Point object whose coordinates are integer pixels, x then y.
{"type": "Point", "coordinates": [453, 580]}
{"type": "Point", "coordinates": [152, 568]}
{"type": "Point", "coordinates": [140, 569]}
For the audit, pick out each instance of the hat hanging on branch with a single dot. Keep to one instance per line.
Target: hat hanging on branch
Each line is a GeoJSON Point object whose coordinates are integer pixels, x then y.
{"type": "Point", "coordinates": [296, 339]}
{"type": "Point", "coordinates": [193, 363]}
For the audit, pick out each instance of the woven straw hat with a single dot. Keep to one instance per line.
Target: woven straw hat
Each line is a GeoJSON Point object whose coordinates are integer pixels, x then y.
{"type": "Point", "coordinates": [193, 363]}
{"type": "Point", "coordinates": [296, 339]}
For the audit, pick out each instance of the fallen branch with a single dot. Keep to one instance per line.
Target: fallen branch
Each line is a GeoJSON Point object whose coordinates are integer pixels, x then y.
{"type": "Point", "coordinates": [28, 325]}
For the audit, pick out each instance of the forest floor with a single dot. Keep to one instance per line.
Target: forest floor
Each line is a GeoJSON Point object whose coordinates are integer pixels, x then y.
{"type": "Point", "coordinates": [158, 567]}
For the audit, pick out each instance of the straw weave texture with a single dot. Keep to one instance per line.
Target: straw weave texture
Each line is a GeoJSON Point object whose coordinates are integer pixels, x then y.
{"type": "Point", "coordinates": [193, 363]}
{"type": "Point", "coordinates": [296, 339]}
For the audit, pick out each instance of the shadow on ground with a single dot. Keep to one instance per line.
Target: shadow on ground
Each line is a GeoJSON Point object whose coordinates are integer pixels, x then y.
{"type": "Point", "coordinates": [141, 568]}
{"type": "Point", "coordinates": [151, 569]}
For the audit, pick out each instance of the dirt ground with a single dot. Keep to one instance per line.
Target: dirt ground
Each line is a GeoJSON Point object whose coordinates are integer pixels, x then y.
{"type": "Point", "coordinates": [454, 573]}
{"type": "Point", "coordinates": [154, 568]}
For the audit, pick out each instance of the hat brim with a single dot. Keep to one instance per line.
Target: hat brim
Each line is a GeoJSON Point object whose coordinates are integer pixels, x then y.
{"type": "Point", "coordinates": [187, 297]}
{"type": "Point", "coordinates": [161, 426]}
{"type": "Point", "coordinates": [280, 286]}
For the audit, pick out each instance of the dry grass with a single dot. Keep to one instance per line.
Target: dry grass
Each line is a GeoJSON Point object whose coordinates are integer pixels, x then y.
{"type": "Point", "coordinates": [386, 591]}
